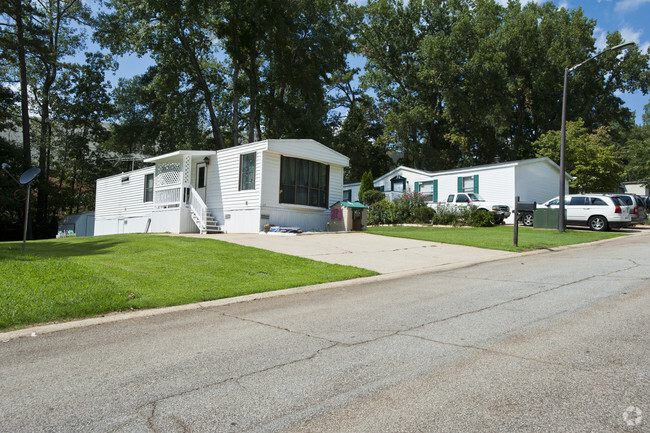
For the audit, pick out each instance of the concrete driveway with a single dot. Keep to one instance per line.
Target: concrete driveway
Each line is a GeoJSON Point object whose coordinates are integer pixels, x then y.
{"type": "Point", "coordinates": [383, 254]}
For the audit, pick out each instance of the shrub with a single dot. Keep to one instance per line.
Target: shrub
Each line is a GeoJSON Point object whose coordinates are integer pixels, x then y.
{"type": "Point", "coordinates": [367, 184]}
{"type": "Point", "coordinates": [371, 197]}
{"type": "Point", "coordinates": [480, 217]}
{"type": "Point", "coordinates": [382, 212]}
{"type": "Point", "coordinates": [462, 216]}
{"type": "Point", "coordinates": [445, 215]}
{"type": "Point", "coordinates": [423, 215]}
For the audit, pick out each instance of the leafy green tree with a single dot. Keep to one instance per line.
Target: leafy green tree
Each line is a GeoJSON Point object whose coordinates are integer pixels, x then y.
{"type": "Point", "coordinates": [11, 209]}
{"type": "Point", "coordinates": [19, 37]}
{"type": "Point", "coordinates": [367, 184]}
{"type": "Point", "coordinates": [154, 115]}
{"type": "Point", "coordinates": [590, 157]}
{"type": "Point", "coordinates": [637, 149]}
{"type": "Point", "coordinates": [359, 139]}
{"type": "Point", "coordinates": [178, 35]}
{"type": "Point", "coordinates": [468, 81]}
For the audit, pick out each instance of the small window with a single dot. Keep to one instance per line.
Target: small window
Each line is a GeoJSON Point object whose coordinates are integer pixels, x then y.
{"type": "Point", "coordinates": [462, 198]}
{"type": "Point", "coordinates": [148, 187]}
{"type": "Point", "coordinates": [347, 195]}
{"type": "Point", "coordinates": [468, 184]}
{"type": "Point", "coordinates": [450, 198]}
{"type": "Point", "coordinates": [553, 202]}
{"type": "Point", "coordinates": [247, 171]}
{"type": "Point", "coordinates": [598, 201]}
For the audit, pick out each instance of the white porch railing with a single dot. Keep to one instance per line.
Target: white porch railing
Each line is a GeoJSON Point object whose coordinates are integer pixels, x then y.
{"type": "Point", "coordinates": [198, 208]}
{"type": "Point", "coordinates": [167, 196]}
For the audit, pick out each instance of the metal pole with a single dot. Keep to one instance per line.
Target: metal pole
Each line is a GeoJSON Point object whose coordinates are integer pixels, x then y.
{"type": "Point", "coordinates": [561, 223]}
{"type": "Point", "coordinates": [516, 231]}
{"type": "Point", "coordinates": [29, 187]}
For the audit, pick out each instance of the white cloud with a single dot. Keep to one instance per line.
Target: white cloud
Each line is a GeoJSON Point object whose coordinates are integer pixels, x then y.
{"type": "Point", "coordinates": [630, 35]}
{"type": "Point", "coordinates": [624, 6]}
{"type": "Point", "coordinates": [601, 38]}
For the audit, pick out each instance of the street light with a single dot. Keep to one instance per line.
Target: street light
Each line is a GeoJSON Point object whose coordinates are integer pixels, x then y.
{"type": "Point", "coordinates": [561, 226]}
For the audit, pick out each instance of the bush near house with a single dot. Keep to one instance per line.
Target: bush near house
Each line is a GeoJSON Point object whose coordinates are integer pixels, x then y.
{"type": "Point", "coordinates": [411, 208]}
{"type": "Point", "coordinates": [371, 197]}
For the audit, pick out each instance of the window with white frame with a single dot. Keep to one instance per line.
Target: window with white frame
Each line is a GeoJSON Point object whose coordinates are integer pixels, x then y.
{"type": "Point", "coordinates": [148, 187]}
{"type": "Point", "coordinates": [247, 171]}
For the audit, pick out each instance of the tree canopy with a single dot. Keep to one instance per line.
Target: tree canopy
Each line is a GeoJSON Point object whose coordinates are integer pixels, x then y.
{"type": "Point", "coordinates": [446, 83]}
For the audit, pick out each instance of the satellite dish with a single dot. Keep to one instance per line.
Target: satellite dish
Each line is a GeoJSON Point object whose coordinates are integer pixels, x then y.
{"type": "Point", "coordinates": [29, 175]}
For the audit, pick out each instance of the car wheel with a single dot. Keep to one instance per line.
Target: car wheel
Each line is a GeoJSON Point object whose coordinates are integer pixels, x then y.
{"type": "Point", "coordinates": [598, 223]}
{"type": "Point", "coordinates": [526, 219]}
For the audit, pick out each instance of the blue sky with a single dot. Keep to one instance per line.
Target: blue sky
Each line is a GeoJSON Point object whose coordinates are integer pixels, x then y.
{"type": "Point", "coordinates": [629, 17]}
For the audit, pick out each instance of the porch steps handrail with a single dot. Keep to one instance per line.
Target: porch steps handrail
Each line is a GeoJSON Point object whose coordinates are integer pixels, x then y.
{"type": "Point", "coordinates": [199, 209]}
{"type": "Point", "coordinates": [200, 214]}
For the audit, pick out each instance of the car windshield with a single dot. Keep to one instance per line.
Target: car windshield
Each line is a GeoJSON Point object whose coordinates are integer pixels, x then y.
{"type": "Point", "coordinates": [475, 197]}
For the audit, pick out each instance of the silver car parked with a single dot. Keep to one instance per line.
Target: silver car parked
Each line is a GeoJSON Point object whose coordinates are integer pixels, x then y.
{"type": "Point", "coordinates": [636, 205]}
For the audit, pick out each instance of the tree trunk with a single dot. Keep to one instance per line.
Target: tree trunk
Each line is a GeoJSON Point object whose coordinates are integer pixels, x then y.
{"type": "Point", "coordinates": [203, 86]}
{"type": "Point", "coordinates": [252, 78]}
{"type": "Point", "coordinates": [235, 91]}
{"type": "Point", "coordinates": [22, 65]}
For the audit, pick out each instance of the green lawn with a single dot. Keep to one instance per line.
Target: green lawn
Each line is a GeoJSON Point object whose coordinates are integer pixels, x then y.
{"type": "Point", "coordinates": [496, 238]}
{"type": "Point", "coordinates": [72, 278]}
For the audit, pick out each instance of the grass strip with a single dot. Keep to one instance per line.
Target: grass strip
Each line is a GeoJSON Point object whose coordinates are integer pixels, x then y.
{"type": "Point", "coordinates": [495, 238]}
{"type": "Point", "coordinates": [71, 278]}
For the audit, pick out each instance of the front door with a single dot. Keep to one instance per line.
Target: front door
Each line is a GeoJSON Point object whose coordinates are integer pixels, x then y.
{"type": "Point", "coordinates": [201, 179]}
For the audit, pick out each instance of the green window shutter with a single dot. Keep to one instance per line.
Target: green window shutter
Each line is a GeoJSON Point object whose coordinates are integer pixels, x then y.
{"type": "Point", "coordinates": [460, 184]}
{"type": "Point", "coordinates": [435, 190]}
{"type": "Point", "coordinates": [416, 187]}
{"type": "Point", "coordinates": [381, 188]}
{"type": "Point", "coordinates": [476, 184]}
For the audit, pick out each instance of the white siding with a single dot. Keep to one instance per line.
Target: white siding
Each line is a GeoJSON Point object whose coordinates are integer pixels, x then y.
{"type": "Point", "coordinates": [281, 214]}
{"type": "Point", "coordinates": [354, 190]}
{"type": "Point", "coordinates": [538, 181]}
{"type": "Point", "coordinates": [234, 209]}
{"type": "Point", "coordinates": [308, 149]}
{"type": "Point", "coordinates": [411, 175]}
{"type": "Point", "coordinates": [495, 185]}
{"type": "Point", "coordinates": [120, 206]}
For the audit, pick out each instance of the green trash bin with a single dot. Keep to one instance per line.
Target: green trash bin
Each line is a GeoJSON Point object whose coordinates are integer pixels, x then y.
{"type": "Point", "coordinates": [546, 218]}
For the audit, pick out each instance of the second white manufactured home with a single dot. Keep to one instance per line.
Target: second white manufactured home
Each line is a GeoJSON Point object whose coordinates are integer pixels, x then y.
{"type": "Point", "coordinates": [236, 190]}
{"type": "Point", "coordinates": [533, 180]}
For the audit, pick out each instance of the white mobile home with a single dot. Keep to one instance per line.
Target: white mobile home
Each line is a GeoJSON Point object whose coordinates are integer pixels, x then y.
{"type": "Point", "coordinates": [535, 180]}
{"type": "Point", "coordinates": [235, 190]}
{"type": "Point", "coordinates": [393, 184]}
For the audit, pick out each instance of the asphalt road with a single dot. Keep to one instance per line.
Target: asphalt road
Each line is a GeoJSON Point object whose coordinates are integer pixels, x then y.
{"type": "Point", "coordinates": [553, 342]}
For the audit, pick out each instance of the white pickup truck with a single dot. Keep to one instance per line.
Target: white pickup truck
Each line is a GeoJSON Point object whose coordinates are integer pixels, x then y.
{"type": "Point", "coordinates": [500, 211]}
